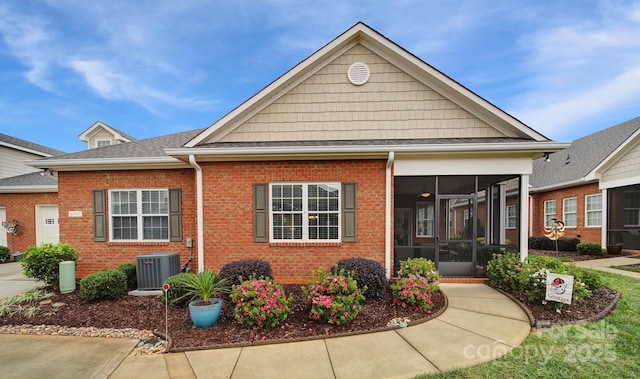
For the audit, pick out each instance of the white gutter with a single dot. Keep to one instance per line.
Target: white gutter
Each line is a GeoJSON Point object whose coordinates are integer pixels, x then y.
{"type": "Point", "coordinates": [471, 148]}
{"type": "Point", "coordinates": [387, 216]}
{"type": "Point", "coordinates": [200, 212]}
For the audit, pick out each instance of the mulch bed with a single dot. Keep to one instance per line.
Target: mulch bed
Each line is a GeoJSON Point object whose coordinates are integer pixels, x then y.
{"type": "Point", "coordinates": [148, 313]}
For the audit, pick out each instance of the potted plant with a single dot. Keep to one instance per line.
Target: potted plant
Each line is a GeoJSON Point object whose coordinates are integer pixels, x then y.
{"type": "Point", "coordinates": [203, 289]}
{"type": "Point", "coordinates": [615, 249]}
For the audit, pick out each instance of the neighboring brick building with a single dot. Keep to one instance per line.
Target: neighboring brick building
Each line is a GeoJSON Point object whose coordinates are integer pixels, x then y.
{"type": "Point", "coordinates": [593, 186]}
{"type": "Point", "coordinates": [356, 151]}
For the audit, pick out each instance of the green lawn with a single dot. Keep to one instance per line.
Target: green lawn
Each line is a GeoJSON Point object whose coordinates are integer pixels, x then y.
{"type": "Point", "coordinates": [609, 348]}
{"type": "Point", "coordinates": [627, 268]}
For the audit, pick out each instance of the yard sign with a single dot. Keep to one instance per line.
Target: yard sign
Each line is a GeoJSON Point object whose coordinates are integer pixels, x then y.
{"type": "Point", "coordinates": [559, 288]}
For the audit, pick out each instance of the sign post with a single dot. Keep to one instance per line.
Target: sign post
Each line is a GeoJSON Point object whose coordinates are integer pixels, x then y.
{"type": "Point", "coordinates": [165, 288]}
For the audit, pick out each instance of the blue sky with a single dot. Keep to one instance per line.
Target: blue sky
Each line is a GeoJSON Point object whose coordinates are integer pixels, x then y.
{"type": "Point", "coordinates": [154, 67]}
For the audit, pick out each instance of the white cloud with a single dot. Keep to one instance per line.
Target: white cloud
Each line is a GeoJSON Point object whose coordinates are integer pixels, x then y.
{"type": "Point", "coordinates": [579, 70]}
{"type": "Point", "coordinates": [27, 37]}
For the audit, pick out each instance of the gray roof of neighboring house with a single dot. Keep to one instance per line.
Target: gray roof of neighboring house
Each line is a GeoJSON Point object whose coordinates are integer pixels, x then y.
{"type": "Point", "coordinates": [582, 157]}
{"type": "Point", "coordinates": [31, 179]}
{"type": "Point", "coordinates": [147, 148]}
{"type": "Point", "coordinates": [29, 145]}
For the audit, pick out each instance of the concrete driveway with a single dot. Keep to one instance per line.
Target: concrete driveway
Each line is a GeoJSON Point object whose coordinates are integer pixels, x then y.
{"type": "Point", "coordinates": [12, 282]}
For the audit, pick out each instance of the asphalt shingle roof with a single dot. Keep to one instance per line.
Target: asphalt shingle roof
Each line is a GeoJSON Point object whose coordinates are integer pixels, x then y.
{"type": "Point", "coordinates": [147, 148]}
{"type": "Point", "coordinates": [31, 179]}
{"type": "Point", "coordinates": [29, 145]}
{"type": "Point", "coordinates": [584, 155]}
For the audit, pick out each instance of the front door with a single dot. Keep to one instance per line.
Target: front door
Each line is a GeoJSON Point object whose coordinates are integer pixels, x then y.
{"type": "Point", "coordinates": [47, 229]}
{"type": "Point", "coordinates": [3, 231]}
{"type": "Point", "coordinates": [456, 237]}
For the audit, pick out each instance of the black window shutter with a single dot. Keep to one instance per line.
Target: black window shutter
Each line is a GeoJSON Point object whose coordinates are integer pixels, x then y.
{"type": "Point", "coordinates": [99, 216]}
{"type": "Point", "coordinates": [175, 215]}
{"type": "Point", "coordinates": [349, 212]}
{"type": "Point", "coordinates": [260, 212]}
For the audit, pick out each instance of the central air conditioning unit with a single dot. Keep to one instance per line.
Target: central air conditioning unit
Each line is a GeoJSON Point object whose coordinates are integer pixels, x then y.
{"type": "Point", "coordinates": [153, 269]}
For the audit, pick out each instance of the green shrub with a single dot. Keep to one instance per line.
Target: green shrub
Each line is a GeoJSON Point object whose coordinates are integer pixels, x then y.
{"type": "Point", "coordinates": [508, 273]}
{"type": "Point", "coordinates": [505, 271]}
{"type": "Point", "coordinates": [5, 255]}
{"type": "Point", "coordinates": [260, 303]}
{"type": "Point", "coordinates": [129, 269]}
{"type": "Point", "coordinates": [589, 248]}
{"type": "Point", "coordinates": [334, 299]}
{"type": "Point", "coordinates": [238, 271]}
{"type": "Point", "coordinates": [544, 243]}
{"type": "Point", "coordinates": [368, 273]}
{"type": "Point", "coordinates": [177, 294]}
{"type": "Point", "coordinates": [105, 284]}
{"type": "Point", "coordinates": [422, 267]}
{"type": "Point", "coordinates": [42, 262]}
{"type": "Point", "coordinates": [413, 292]}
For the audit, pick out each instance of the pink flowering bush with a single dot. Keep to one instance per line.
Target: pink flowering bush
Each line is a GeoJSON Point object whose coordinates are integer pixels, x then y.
{"type": "Point", "coordinates": [423, 267]}
{"type": "Point", "coordinates": [414, 292]}
{"type": "Point", "coordinates": [260, 303]}
{"type": "Point", "coordinates": [334, 299]}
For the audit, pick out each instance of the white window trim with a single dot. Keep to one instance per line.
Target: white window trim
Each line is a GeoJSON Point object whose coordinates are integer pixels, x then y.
{"type": "Point", "coordinates": [139, 215]}
{"type": "Point", "coordinates": [103, 140]}
{"type": "Point", "coordinates": [544, 210]}
{"type": "Point", "coordinates": [426, 205]}
{"type": "Point", "coordinates": [506, 217]}
{"type": "Point", "coordinates": [587, 210]}
{"type": "Point", "coordinates": [564, 212]}
{"type": "Point", "coordinates": [305, 212]}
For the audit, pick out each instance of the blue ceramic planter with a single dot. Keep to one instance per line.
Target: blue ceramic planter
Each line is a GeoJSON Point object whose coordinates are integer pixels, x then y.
{"type": "Point", "coordinates": [205, 315]}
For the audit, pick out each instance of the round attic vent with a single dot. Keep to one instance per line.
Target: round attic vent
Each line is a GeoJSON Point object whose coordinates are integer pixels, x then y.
{"type": "Point", "coordinates": [358, 73]}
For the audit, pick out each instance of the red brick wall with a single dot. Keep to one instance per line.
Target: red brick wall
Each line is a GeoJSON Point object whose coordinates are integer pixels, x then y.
{"type": "Point", "coordinates": [75, 194]}
{"type": "Point", "coordinates": [22, 207]}
{"type": "Point", "coordinates": [228, 217]}
{"type": "Point", "coordinates": [585, 234]}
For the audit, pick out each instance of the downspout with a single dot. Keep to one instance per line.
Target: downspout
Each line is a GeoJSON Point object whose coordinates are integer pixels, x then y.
{"type": "Point", "coordinates": [200, 212]}
{"type": "Point", "coordinates": [387, 216]}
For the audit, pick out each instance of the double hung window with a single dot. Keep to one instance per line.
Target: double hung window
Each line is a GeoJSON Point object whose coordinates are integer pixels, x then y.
{"type": "Point", "coordinates": [139, 215]}
{"type": "Point", "coordinates": [570, 211]}
{"type": "Point", "coordinates": [305, 211]}
{"type": "Point", "coordinates": [593, 209]}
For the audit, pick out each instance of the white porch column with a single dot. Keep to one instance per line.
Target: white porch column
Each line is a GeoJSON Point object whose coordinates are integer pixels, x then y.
{"type": "Point", "coordinates": [605, 219]}
{"type": "Point", "coordinates": [524, 217]}
{"type": "Point", "coordinates": [387, 216]}
{"type": "Point", "coordinates": [199, 212]}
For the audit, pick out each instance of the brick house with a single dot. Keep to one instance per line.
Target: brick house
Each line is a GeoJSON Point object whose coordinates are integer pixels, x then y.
{"type": "Point", "coordinates": [362, 149]}
{"type": "Point", "coordinates": [27, 197]}
{"type": "Point", "coordinates": [593, 186]}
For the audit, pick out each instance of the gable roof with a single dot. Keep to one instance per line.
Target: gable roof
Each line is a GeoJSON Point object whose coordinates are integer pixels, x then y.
{"type": "Point", "coordinates": [146, 153]}
{"type": "Point", "coordinates": [28, 147]}
{"type": "Point", "coordinates": [578, 163]}
{"type": "Point", "coordinates": [117, 134]}
{"type": "Point", "coordinates": [393, 53]}
{"type": "Point", "coordinates": [31, 183]}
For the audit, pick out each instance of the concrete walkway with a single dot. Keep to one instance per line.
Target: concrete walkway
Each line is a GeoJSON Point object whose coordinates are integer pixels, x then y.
{"type": "Point", "coordinates": [12, 282]}
{"type": "Point", "coordinates": [606, 263]}
{"type": "Point", "coordinates": [480, 325]}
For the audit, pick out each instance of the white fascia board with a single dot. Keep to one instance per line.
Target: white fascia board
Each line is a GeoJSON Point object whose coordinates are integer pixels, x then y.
{"type": "Point", "coordinates": [129, 163]}
{"type": "Point", "coordinates": [557, 186]}
{"type": "Point", "coordinates": [29, 189]}
{"type": "Point", "coordinates": [450, 89]}
{"type": "Point", "coordinates": [26, 150]}
{"type": "Point", "coordinates": [277, 88]}
{"type": "Point", "coordinates": [630, 181]}
{"type": "Point", "coordinates": [617, 154]}
{"type": "Point", "coordinates": [362, 151]}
